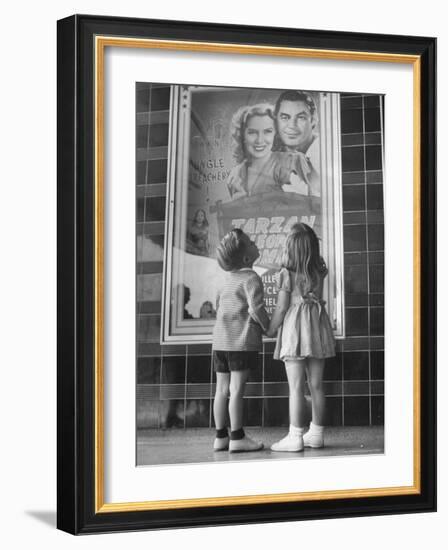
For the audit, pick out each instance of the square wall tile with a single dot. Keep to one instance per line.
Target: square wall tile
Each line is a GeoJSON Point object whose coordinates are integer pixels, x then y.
{"type": "Point", "coordinates": [350, 102]}
{"type": "Point", "coordinates": [356, 411]}
{"type": "Point", "coordinates": [173, 370]}
{"type": "Point", "coordinates": [377, 365]}
{"type": "Point", "coordinates": [256, 373]}
{"type": "Point", "coordinates": [333, 411]}
{"type": "Point", "coordinates": [376, 237]}
{"type": "Point", "coordinates": [276, 411]}
{"type": "Point", "coordinates": [158, 135]}
{"type": "Point", "coordinates": [199, 369]}
{"type": "Point", "coordinates": [355, 239]}
{"type": "Point", "coordinates": [374, 176]}
{"type": "Point", "coordinates": [374, 157]}
{"type": "Point", "coordinates": [353, 197]}
{"type": "Point", "coordinates": [353, 159]}
{"type": "Point", "coordinates": [356, 300]}
{"type": "Point", "coordinates": [157, 171]}
{"type": "Point", "coordinates": [148, 328]}
{"type": "Point", "coordinates": [356, 365]}
{"type": "Point", "coordinates": [351, 121]}
{"type": "Point", "coordinates": [142, 97]}
{"type": "Point", "coordinates": [376, 299]}
{"type": "Point", "coordinates": [356, 321]}
{"type": "Point", "coordinates": [155, 209]}
{"type": "Point", "coordinates": [372, 119]}
{"type": "Point", "coordinates": [376, 278]}
{"type": "Point", "coordinates": [141, 172]}
{"type": "Point", "coordinates": [160, 99]}
{"type": "Point", "coordinates": [140, 210]}
{"type": "Point", "coordinates": [142, 136]}
{"type": "Point", "coordinates": [377, 321]}
{"type": "Point", "coordinates": [371, 101]}
{"type": "Point", "coordinates": [148, 370]}
{"type": "Point", "coordinates": [333, 368]}
{"type": "Point", "coordinates": [377, 402]}
{"type": "Point", "coordinates": [375, 196]}
{"type": "Point", "coordinates": [274, 371]}
{"type": "Point", "coordinates": [355, 279]}
{"type": "Point", "coordinates": [253, 412]}
{"type": "Point", "coordinates": [353, 178]}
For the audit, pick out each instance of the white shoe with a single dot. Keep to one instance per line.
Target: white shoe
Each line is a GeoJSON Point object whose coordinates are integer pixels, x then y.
{"type": "Point", "coordinates": [313, 440]}
{"type": "Point", "coordinates": [221, 444]}
{"type": "Point", "coordinates": [289, 444]}
{"type": "Point", "coordinates": [244, 445]}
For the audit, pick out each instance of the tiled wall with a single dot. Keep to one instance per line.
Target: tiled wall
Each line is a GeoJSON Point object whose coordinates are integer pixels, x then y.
{"type": "Point", "coordinates": [175, 383]}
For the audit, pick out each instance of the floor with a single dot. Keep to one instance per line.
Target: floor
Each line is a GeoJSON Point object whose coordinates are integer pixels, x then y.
{"type": "Point", "coordinates": [195, 445]}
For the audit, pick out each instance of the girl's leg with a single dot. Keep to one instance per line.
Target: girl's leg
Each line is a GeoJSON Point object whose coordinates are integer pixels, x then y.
{"type": "Point", "coordinates": [315, 375]}
{"type": "Point", "coordinates": [238, 381]}
{"type": "Point", "coordinates": [220, 402]}
{"type": "Point", "coordinates": [293, 442]}
{"type": "Point", "coordinates": [295, 372]}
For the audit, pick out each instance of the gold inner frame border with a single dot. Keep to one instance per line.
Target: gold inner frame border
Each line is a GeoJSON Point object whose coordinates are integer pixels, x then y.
{"type": "Point", "coordinates": [101, 42]}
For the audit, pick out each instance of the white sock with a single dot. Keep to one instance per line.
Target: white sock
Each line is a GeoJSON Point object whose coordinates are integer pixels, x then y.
{"type": "Point", "coordinates": [315, 429]}
{"type": "Point", "coordinates": [294, 431]}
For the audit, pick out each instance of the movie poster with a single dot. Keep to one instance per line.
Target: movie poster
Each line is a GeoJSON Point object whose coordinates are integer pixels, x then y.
{"type": "Point", "coordinates": [260, 160]}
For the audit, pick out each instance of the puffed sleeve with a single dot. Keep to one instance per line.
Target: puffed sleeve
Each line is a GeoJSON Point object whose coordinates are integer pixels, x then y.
{"type": "Point", "coordinates": [283, 280]}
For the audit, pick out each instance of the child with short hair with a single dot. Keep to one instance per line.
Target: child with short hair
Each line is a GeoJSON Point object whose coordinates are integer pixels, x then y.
{"type": "Point", "coordinates": [240, 320]}
{"type": "Point", "coordinates": [305, 337]}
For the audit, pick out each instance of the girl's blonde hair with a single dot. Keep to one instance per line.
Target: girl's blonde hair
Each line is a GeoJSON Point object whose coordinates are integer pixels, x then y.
{"type": "Point", "coordinates": [239, 123]}
{"type": "Point", "coordinates": [301, 255]}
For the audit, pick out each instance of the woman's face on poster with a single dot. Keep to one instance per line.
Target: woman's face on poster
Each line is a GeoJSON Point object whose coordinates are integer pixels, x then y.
{"type": "Point", "coordinates": [259, 136]}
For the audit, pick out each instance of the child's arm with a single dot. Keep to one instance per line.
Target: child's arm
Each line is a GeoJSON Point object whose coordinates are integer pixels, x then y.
{"type": "Point", "coordinates": [283, 299]}
{"type": "Point", "coordinates": [255, 302]}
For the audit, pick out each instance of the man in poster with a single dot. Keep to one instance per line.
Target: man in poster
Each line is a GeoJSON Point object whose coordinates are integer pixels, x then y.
{"type": "Point", "coordinates": [296, 122]}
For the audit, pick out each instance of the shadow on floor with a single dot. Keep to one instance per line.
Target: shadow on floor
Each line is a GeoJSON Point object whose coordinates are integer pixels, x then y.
{"type": "Point", "coordinates": [44, 516]}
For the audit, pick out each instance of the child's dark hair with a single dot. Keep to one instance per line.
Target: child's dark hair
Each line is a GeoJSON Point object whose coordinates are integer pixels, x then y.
{"type": "Point", "coordinates": [231, 250]}
{"type": "Point", "coordinates": [302, 255]}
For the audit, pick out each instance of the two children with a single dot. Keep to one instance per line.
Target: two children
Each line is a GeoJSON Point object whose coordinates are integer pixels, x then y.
{"type": "Point", "coordinates": [305, 338]}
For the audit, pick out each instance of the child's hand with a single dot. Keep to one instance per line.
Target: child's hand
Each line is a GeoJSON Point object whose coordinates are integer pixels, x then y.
{"type": "Point", "coordinates": [271, 333]}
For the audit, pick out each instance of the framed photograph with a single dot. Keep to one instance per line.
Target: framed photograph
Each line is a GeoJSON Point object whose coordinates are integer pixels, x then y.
{"type": "Point", "coordinates": [246, 274]}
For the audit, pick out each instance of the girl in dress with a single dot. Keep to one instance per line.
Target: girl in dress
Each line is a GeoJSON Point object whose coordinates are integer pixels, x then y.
{"type": "Point", "coordinates": [305, 337]}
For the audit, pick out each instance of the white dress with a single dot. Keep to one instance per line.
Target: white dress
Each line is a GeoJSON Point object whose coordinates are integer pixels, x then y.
{"type": "Point", "coordinates": [306, 330]}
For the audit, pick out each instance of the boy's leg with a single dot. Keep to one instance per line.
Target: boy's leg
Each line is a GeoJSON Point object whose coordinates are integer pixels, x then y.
{"type": "Point", "coordinates": [221, 397]}
{"type": "Point", "coordinates": [239, 442]}
{"type": "Point", "coordinates": [238, 379]}
{"type": "Point", "coordinates": [220, 411]}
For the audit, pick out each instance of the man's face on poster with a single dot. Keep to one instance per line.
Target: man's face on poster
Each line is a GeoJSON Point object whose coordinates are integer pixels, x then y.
{"type": "Point", "coordinates": [295, 125]}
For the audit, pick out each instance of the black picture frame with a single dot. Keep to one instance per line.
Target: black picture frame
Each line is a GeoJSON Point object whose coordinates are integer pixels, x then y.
{"type": "Point", "coordinates": [77, 474]}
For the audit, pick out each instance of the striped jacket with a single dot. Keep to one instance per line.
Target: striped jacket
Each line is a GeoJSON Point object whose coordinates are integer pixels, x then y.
{"type": "Point", "coordinates": [241, 317]}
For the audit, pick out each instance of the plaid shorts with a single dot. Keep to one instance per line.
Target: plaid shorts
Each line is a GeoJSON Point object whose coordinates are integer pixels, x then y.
{"type": "Point", "coordinates": [227, 361]}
